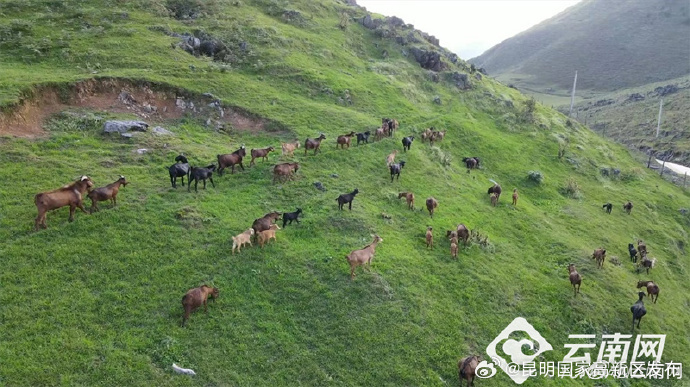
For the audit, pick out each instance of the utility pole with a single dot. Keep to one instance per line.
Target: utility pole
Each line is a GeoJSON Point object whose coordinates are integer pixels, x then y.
{"type": "Point", "coordinates": [572, 96]}
{"type": "Point", "coordinates": [658, 125]}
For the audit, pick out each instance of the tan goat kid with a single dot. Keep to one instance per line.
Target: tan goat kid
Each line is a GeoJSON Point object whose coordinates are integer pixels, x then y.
{"type": "Point", "coordinates": [242, 239]}
{"type": "Point", "coordinates": [267, 235]}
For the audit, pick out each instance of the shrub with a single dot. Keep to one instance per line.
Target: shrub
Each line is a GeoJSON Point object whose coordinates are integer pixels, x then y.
{"type": "Point", "coordinates": [443, 158]}
{"type": "Point", "coordinates": [535, 176]}
{"type": "Point", "coordinates": [190, 9]}
{"type": "Point", "coordinates": [571, 189]}
{"type": "Point", "coordinates": [632, 174]}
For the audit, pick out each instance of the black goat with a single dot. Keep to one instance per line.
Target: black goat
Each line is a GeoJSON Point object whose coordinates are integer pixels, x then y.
{"type": "Point", "coordinates": [346, 198]}
{"type": "Point", "coordinates": [179, 169]}
{"type": "Point", "coordinates": [199, 173]}
{"type": "Point", "coordinates": [363, 137]}
{"type": "Point", "coordinates": [407, 143]}
{"type": "Point", "coordinates": [290, 216]}
{"type": "Point", "coordinates": [395, 170]}
{"type": "Point", "coordinates": [638, 311]}
{"type": "Point", "coordinates": [608, 207]}
{"type": "Point", "coordinates": [633, 252]}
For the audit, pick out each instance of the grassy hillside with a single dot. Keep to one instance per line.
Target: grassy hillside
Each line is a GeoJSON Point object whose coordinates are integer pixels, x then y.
{"type": "Point", "coordinates": [97, 301]}
{"type": "Point", "coordinates": [612, 44]}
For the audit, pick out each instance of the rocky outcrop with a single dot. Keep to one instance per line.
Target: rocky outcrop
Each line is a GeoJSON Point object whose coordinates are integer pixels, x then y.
{"type": "Point", "coordinates": [430, 60]}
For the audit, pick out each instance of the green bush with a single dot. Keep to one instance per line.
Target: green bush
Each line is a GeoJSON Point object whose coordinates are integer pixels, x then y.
{"type": "Point", "coordinates": [535, 176]}
{"type": "Point", "coordinates": [190, 9]}
{"type": "Point", "coordinates": [571, 189]}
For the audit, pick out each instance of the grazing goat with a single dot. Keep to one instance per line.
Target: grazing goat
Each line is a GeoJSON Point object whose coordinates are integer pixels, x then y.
{"type": "Point", "coordinates": [289, 148]}
{"type": "Point", "coordinates": [395, 170]}
{"type": "Point", "coordinates": [264, 223]}
{"type": "Point", "coordinates": [362, 256]}
{"type": "Point", "coordinates": [652, 289]}
{"type": "Point", "coordinates": [642, 248]}
{"type": "Point", "coordinates": [608, 207]}
{"type": "Point", "coordinates": [575, 279]}
{"type": "Point", "coordinates": [409, 198]}
{"type": "Point", "coordinates": [494, 199]}
{"type": "Point", "coordinates": [600, 255]}
{"type": "Point", "coordinates": [454, 247]}
{"type": "Point", "coordinates": [437, 136]}
{"type": "Point", "coordinates": [633, 252]}
{"type": "Point", "coordinates": [240, 240]}
{"type": "Point", "coordinates": [467, 367]}
{"type": "Point", "coordinates": [470, 163]}
{"type": "Point", "coordinates": [179, 169]}
{"type": "Point", "coordinates": [427, 133]}
{"type": "Point", "coordinates": [267, 235]}
{"type": "Point", "coordinates": [363, 137]}
{"type": "Point", "coordinates": [628, 207]}
{"type": "Point", "coordinates": [68, 195]}
{"type": "Point", "coordinates": [196, 297]}
{"type": "Point", "coordinates": [496, 189]}
{"type": "Point", "coordinates": [429, 238]}
{"type": "Point", "coordinates": [263, 153]}
{"type": "Point", "coordinates": [313, 143]}
{"type": "Point", "coordinates": [290, 216]}
{"type": "Point", "coordinates": [431, 205]}
{"type": "Point", "coordinates": [346, 199]}
{"type": "Point", "coordinates": [389, 126]}
{"type": "Point", "coordinates": [638, 311]}
{"type": "Point", "coordinates": [515, 197]}
{"type": "Point", "coordinates": [202, 174]}
{"type": "Point", "coordinates": [230, 160]}
{"type": "Point", "coordinates": [284, 171]}
{"type": "Point", "coordinates": [379, 134]}
{"type": "Point", "coordinates": [463, 233]}
{"type": "Point", "coordinates": [390, 159]}
{"type": "Point", "coordinates": [407, 143]}
{"type": "Point", "coordinates": [646, 263]}
{"type": "Point", "coordinates": [343, 140]}
{"type": "Point", "coordinates": [109, 192]}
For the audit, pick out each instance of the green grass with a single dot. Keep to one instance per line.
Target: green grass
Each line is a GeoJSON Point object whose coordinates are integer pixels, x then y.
{"type": "Point", "coordinates": [97, 301]}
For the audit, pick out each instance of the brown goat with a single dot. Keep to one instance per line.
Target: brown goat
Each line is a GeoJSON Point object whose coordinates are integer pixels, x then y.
{"type": "Point", "coordinates": [362, 256]}
{"type": "Point", "coordinates": [313, 143]}
{"type": "Point", "coordinates": [454, 247]}
{"type": "Point", "coordinates": [264, 223]}
{"type": "Point", "coordinates": [230, 160]}
{"type": "Point", "coordinates": [109, 192]}
{"type": "Point", "coordinates": [575, 278]}
{"type": "Point", "coordinates": [496, 189]}
{"type": "Point", "coordinates": [267, 235]}
{"type": "Point", "coordinates": [289, 148]}
{"type": "Point", "coordinates": [646, 263]}
{"type": "Point", "coordinates": [284, 171]}
{"type": "Point", "coordinates": [431, 205]}
{"type": "Point", "coordinates": [390, 159]}
{"type": "Point", "coordinates": [427, 133]}
{"type": "Point", "coordinates": [196, 297]}
{"type": "Point", "coordinates": [467, 367]}
{"type": "Point", "coordinates": [240, 240]}
{"type": "Point", "coordinates": [263, 153]}
{"type": "Point", "coordinates": [494, 199]}
{"type": "Point", "coordinates": [463, 233]}
{"type": "Point", "coordinates": [515, 197]}
{"type": "Point", "coordinates": [600, 256]}
{"type": "Point", "coordinates": [628, 207]}
{"type": "Point", "coordinates": [652, 289]}
{"type": "Point", "coordinates": [641, 248]}
{"type": "Point", "coordinates": [429, 238]}
{"type": "Point", "coordinates": [68, 195]}
{"type": "Point", "coordinates": [409, 198]}
{"type": "Point", "coordinates": [379, 134]}
{"type": "Point", "coordinates": [343, 140]}
{"type": "Point", "coordinates": [436, 136]}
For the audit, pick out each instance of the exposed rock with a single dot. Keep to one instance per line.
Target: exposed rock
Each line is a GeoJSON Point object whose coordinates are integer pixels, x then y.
{"type": "Point", "coordinates": [684, 211]}
{"type": "Point", "coordinates": [483, 71]}
{"type": "Point", "coordinates": [665, 90]}
{"type": "Point", "coordinates": [433, 77]}
{"type": "Point", "coordinates": [412, 38]}
{"type": "Point", "coordinates": [368, 22]}
{"type": "Point", "coordinates": [334, 175]}
{"type": "Point", "coordinates": [395, 21]}
{"type": "Point", "coordinates": [431, 39]}
{"type": "Point", "coordinates": [453, 58]}
{"type": "Point", "coordinates": [437, 100]}
{"type": "Point", "coordinates": [127, 135]}
{"type": "Point", "coordinates": [351, 2]}
{"type": "Point", "coordinates": [382, 32]}
{"type": "Point", "coordinates": [162, 131]}
{"type": "Point", "coordinates": [141, 151]}
{"type": "Point", "coordinates": [319, 186]}
{"type": "Point", "coordinates": [125, 126]}
{"type": "Point", "coordinates": [462, 81]}
{"type": "Point", "coordinates": [400, 40]}
{"type": "Point", "coordinates": [604, 102]}
{"type": "Point", "coordinates": [126, 98]}
{"type": "Point", "coordinates": [635, 97]}
{"type": "Point", "coordinates": [430, 60]}
{"type": "Point", "coordinates": [478, 76]}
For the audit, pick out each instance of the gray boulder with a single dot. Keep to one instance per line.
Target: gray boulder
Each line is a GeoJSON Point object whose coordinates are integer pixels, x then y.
{"type": "Point", "coordinates": [430, 60]}
{"type": "Point", "coordinates": [368, 22]}
{"type": "Point", "coordinates": [125, 126]}
{"type": "Point", "coordinates": [162, 131]}
{"type": "Point", "coordinates": [462, 81]}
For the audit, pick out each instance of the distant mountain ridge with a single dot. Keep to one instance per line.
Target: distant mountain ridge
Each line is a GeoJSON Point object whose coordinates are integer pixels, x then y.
{"type": "Point", "coordinates": [613, 44]}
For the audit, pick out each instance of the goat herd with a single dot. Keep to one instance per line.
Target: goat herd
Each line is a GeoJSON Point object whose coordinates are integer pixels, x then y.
{"type": "Point", "coordinates": [264, 229]}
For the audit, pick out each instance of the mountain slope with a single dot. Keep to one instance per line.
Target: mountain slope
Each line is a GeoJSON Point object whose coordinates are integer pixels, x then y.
{"type": "Point", "coordinates": [598, 38]}
{"type": "Point", "coordinates": [97, 301]}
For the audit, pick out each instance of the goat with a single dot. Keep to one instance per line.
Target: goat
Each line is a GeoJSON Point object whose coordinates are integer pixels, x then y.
{"type": "Point", "coordinates": [437, 136]}
{"type": "Point", "coordinates": [575, 279]}
{"type": "Point", "coordinates": [362, 256]}
{"type": "Point", "coordinates": [284, 171]}
{"type": "Point", "coordinates": [454, 247]}
{"type": "Point", "coordinates": [431, 205]}
{"type": "Point", "coordinates": [179, 169]}
{"type": "Point", "coordinates": [196, 297]}
{"type": "Point", "coordinates": [496, 189]}
{"type": "Point", "coordinates": [109, 192]}
{"type": "Point", "coordinates": [427, 133]}
{"type": "Point", "coordinates": [313, 143]}
{"type": "Point", "coordinates": [470, 163]}
{"type": "Point", "coordinates": [346, 199]}
{"type": "Point", "coordinates": [638, 311]}
{"type": "Point", "coordinates": [652, 289]}
{"type": "Point", "coordinates": [646, 263]}
{"type": "Point", "coordinates": [429, 238]}
{"type": "Point", "coordinates": [395, 170]}
{"type": "Point", "coordinates": [240, 240]}
{"type": "Point", "coordinates": [628, 207]}
{"type": "Point", "coordinates": [467, 367]}
{"type": "Point", "coordinates": [463, 233]}
{"type": "Point", "coordinates": [633, 252]}
{"type": "Point", "coordinates": [390, 159]}
{"type": "Point", "coordinates": [290, 216]}
{"type": "Point", "coordinates": [202, 174]}
{"type": "Point", "coordinates": [407, 143]}
{"type": "Point", "coordinates": [409, 198]}
{"type": "Point", "coordinates": [68, 195]}
{"type": "Point", "coordinates": [267, 235]}
{"type": "Point", "coordinates": [289, 148]}
{"type": "Point", "coordinates": [264, 223]}
{"type": "Point", "coordinates": [363, 137]}
{"type": "Point", "coordinates": [263, 153]}
{"type": "Point", "coordinates": [608, 207]}
{"type": "Point", "coordinates": [230, 160]}
{"type": "Point", "coordinates": [642, 248]}
{"type": "Point", "coordinates": [379, 134]}
{"type": "Point", "coordinates": [343, 140]}
{"type": "Point", "coordinates": [600, 255]}
{"type": "Point", "coordinates": [515, 196]}
{"type": "Point", "coordinates": [494, 199]}
{"type": "Point", "coordinates": [389, 125]}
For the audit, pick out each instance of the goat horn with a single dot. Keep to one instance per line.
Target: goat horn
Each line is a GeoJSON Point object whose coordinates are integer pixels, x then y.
{"type": "Point", "coordinates": [84, 177]}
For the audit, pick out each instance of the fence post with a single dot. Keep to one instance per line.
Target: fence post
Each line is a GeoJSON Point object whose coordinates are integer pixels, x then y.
{"type": "Point", "coordinates": [663, 164]}
{"type": "Point", "coordinates": [685, 177]}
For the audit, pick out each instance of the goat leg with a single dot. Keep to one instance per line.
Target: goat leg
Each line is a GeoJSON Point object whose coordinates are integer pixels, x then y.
{"type": "Point", "coordinates": [214, 186]}
{"type": "Point", "coordinates": [81, 207]}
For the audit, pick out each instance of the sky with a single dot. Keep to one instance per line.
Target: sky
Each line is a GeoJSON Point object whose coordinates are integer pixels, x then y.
{"type": "Point", "coordinates": [469, 27]}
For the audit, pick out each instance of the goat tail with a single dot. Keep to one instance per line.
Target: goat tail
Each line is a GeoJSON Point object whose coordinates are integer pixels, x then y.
{"type": "Point", "coordinates": [653, 262]}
